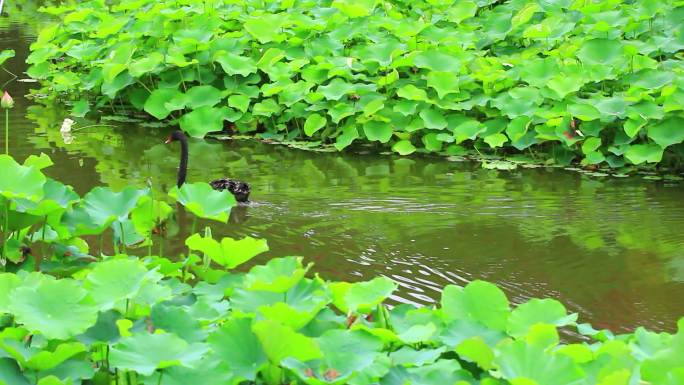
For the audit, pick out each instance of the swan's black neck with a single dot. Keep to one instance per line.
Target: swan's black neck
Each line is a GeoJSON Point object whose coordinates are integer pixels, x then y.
{"type": "Point", "coordinates": [183, 166]}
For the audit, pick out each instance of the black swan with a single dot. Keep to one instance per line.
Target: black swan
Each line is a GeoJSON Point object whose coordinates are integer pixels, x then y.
{"type": "Point", "coordinates": [240, 190]}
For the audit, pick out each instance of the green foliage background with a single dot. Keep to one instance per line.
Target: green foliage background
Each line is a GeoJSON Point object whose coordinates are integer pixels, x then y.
{"type": "Point", "coordinates": [601, 81]}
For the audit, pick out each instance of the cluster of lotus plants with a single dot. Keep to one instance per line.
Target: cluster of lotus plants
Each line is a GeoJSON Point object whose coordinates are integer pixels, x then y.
{"type": "Point", "coordinates": [71, 314]}
{"type": "Point", "coordinates": [597, 81]}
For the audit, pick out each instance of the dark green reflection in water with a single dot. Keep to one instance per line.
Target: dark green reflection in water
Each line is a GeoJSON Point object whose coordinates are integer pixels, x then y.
{"type": "Point", "coordinates": [611, 249]}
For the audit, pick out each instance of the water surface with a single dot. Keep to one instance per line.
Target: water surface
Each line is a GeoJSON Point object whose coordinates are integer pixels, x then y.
{"type": "Point", "coordinates": [610, 249]}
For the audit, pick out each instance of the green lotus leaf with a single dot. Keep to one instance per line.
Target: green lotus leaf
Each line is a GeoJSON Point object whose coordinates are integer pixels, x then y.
{"type": "Point", "coordinates": [336, 89]}
{"type": "Point", "coordinates": [229, 253]}
{"type": "Point", "coordinates": [56, 197]}
{"type": "Point", "coordinates": [479, 301]}
{"type": "Point", "coordinates": [433, 119]}
{"type": "Point", "coordinates": [667, 132]}
{"type": "Point", "coordinates": [410, 357]}
{"type": "Point", "coordinates": [462, 10]}
{"type": "Point", "coordinates": [444, 83]}
{"type": "Point", "coordinates": [383, 52]}
{"type": "Point", "coordinates": [348, 135]}
{"type": "Point", "coordinates": [203, 120]}
{"type": "Point", "coordinates": [115, 280]}
{"type": "Point", "coordinates": [474, 349]}
{"type": "Point", "coordinates": [45, 360]}
{"type": "Point", "coordinates": [105, 206]}
{"type": "Point", "coordinates": [538, 72]}
{"type": "Point", "coordinates": [233, 64]}
{"type": "Point", "coordinates": [600, 51]}
{"type": "Point", "coordinates": [432, 143]}
{"type": "Point", "coordinates": [468, 129]}
{"type": "Point", "coordinates": [145, 353]}
{"type": "Point", "coordinates": [203, 201]}
{"type": "Point", "coordinates": [20, 181]}
{"type": "Point", "coordinates": [8, 282]}
{"type": "Point", "coordinates": [280, 342]}
{"type": "Point", "coordinates": [411, 92]}
{"type": "Point", "coordinates": [340, 111]}
{"type": "Point", "coordinates": [11, 374]}
{"type": "Point", "coordinates": [240, 102]}
{"type": "Point", "coordinates": [148, 214]}
{"type": "Point", "coordinates": [547, 311]}
{"type": "Point", "coordinates": [57, 309]}
{"type": "Point", "coordinates": [564, 84]}
{"type": "Point", "coordinates": [651, 79]}
{"type": "Point", "coordinates": [418, 333]}
{"type": "Point", "coordinates": [346, 351]}
{"type": "Point", "coordinates": [314, 123]}
{"type": "Point", "coordinates": [278, 275]}
{"type": "Point", "coordinates": [378, 131]}
{"type": "Point", "coordinates": [266, 27]}
{"type": "Point", "coordinates": [155, 104]}
{"type": "Point", "coordinates": [39, 162]}
{"type": "Point", "coordinates": [496, 140]}
{"type": "Point", "coordinates": [209, 371]}
{"type": "Point", "coordinates": [302, 303]}
{"type": "Point", "coordinates": [519, 362]}
{"type": "Point", "coordinates": [640, 153]}
{"type": "Point", "coordinates": [6, 54]}
{"type": "Point", "coordinates": [176, 320]}
{"type": "Point", "coordinates": [200, 96]}
{"type": "Point", "coordinates": [666, 365]}
{"type": "Point", "coordinates": [355, 8]}
{"type": "Point", "coordinates": [404, 147]}
{"type": "Point", "coordinates": [80, 108]}
{"type": "Point", "coordinates": [585, 112]}
{"type": "Point", "coordinates": [145, 65]}
{"type": "Point", "coordinates": [361, 296]}
{"type": "Point", "coordinates": [591, 144]}
{"type": "Point", "coordinates": [615, 106]}
{"type": "Point", "coordinates": [237, 344]}
{"type": "Point", "coordinates": [437, 60]}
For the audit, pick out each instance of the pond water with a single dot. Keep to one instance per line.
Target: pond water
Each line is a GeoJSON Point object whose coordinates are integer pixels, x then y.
{"type": "Point", "coordinates": [610, 249]}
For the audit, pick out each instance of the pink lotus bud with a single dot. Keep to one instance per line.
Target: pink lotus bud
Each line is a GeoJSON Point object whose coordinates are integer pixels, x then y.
{"type": "Point", "coordinates": [6, 101]}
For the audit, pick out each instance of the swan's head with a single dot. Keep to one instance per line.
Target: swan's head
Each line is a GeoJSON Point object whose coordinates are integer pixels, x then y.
{"type": "Point", "coordinates": [176, 135]}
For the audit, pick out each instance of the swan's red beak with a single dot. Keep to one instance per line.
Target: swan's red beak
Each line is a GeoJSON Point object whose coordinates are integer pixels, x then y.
{"type": "Point", "coordinates": [168, 140]}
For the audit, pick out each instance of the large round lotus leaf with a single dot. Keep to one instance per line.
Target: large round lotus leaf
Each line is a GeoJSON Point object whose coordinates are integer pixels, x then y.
{"type": "Point", "coordinates": [547, 311]}
{"type": "Point", "coordinates": [145, 353]}
{"type": "Point", "coordinates": [46, 359]}
{"type": "Point", "coordinates": [668, 132]}
{"type": "Point", "coordinates": [203, 120]}
{"type": "Point", "coordinates": [378, 131]}
{"type": "Point", "coordinates": [115, 280]}
{"type": "Point", "coordinates": [229, 252]}
{"type": "Point", "coordinates": [203, 201]}
{"type": "Point", "coordinates": [600, 51]}
{"type": "Point", "coordinates": [434, 119]}
{"type": "Point", "coordinates": [355, 8]}
{"type": "Point", "coordinates": [479, 301]}
{"type": "Point", "coordinates": [155, 104]}
{"type": "Point", "coordinates": [518, 362]}
{"type": "Point", "coordinates": [437, 60]}
{"type": "Point", "coordinates": [404, 147]}
{"type": "Point", "coordinates": [57, 309]}
{"type": "Point", "coordinates": [280, 342]}
{"type": "Point", "coordinates": [336, 89]}
{"type": "Point", "coordinates": [278, 275]}
{"type": "Point", "coordinates": [539, 71]}
{"type": "Point", "coordinates": [233, 64]}
{"type": "Point", "coordinates": [105, 206]}
{"type": "Point", "coordinates": [314, 123]}
{"type": "Point", "coordinates": [200, 96]}
{"type": "Point", "coordinates": [20, 181]}
{"type": "Point", "coordinates": [640, 153]}
{"type": "Point", "coordinates": [266, 27]}
{"type": "Point", "coordinates": [11, 374]}
{"type": "Point", "coordinates": [235, 342]}
{"type": "Point", "coordinates": [362, 296]}
{"type": "Point", "coordinates": [345, 351]}
{"type": "Point", "coordinates": [177, 320]}
{"type": "Point", "coordinates": [8, 282]}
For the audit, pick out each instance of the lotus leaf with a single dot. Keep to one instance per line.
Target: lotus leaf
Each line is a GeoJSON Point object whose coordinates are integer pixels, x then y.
{"type": "Point", "coordinates": [203, 201]}
{"type": "Point", "coordinates": [229, 252]}
{"type": "Point", "coordinates": [278, 275]}
{"type": "Point", "coordinates": [478, 301]}
{"type": "Point", "coordinates": [362, 296]}
{"type": "Point", "coordinates": [280, 342]}
{"type": "Point", "coordinates": [20, 181]}
{"type": "Point", "coordinates": [146, 353]}
{"type": "Point", "coordinates": [57, 309]}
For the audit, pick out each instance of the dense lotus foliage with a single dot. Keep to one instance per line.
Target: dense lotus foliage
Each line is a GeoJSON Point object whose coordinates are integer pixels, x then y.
{"type": "Point", "coordinates": [70, 314]}
{"type": "Point", "coordinates": [601, 82]}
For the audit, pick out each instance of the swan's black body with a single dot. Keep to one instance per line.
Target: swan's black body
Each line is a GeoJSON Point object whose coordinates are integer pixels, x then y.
{"type": "Point", "coordinates": [240, 190]}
